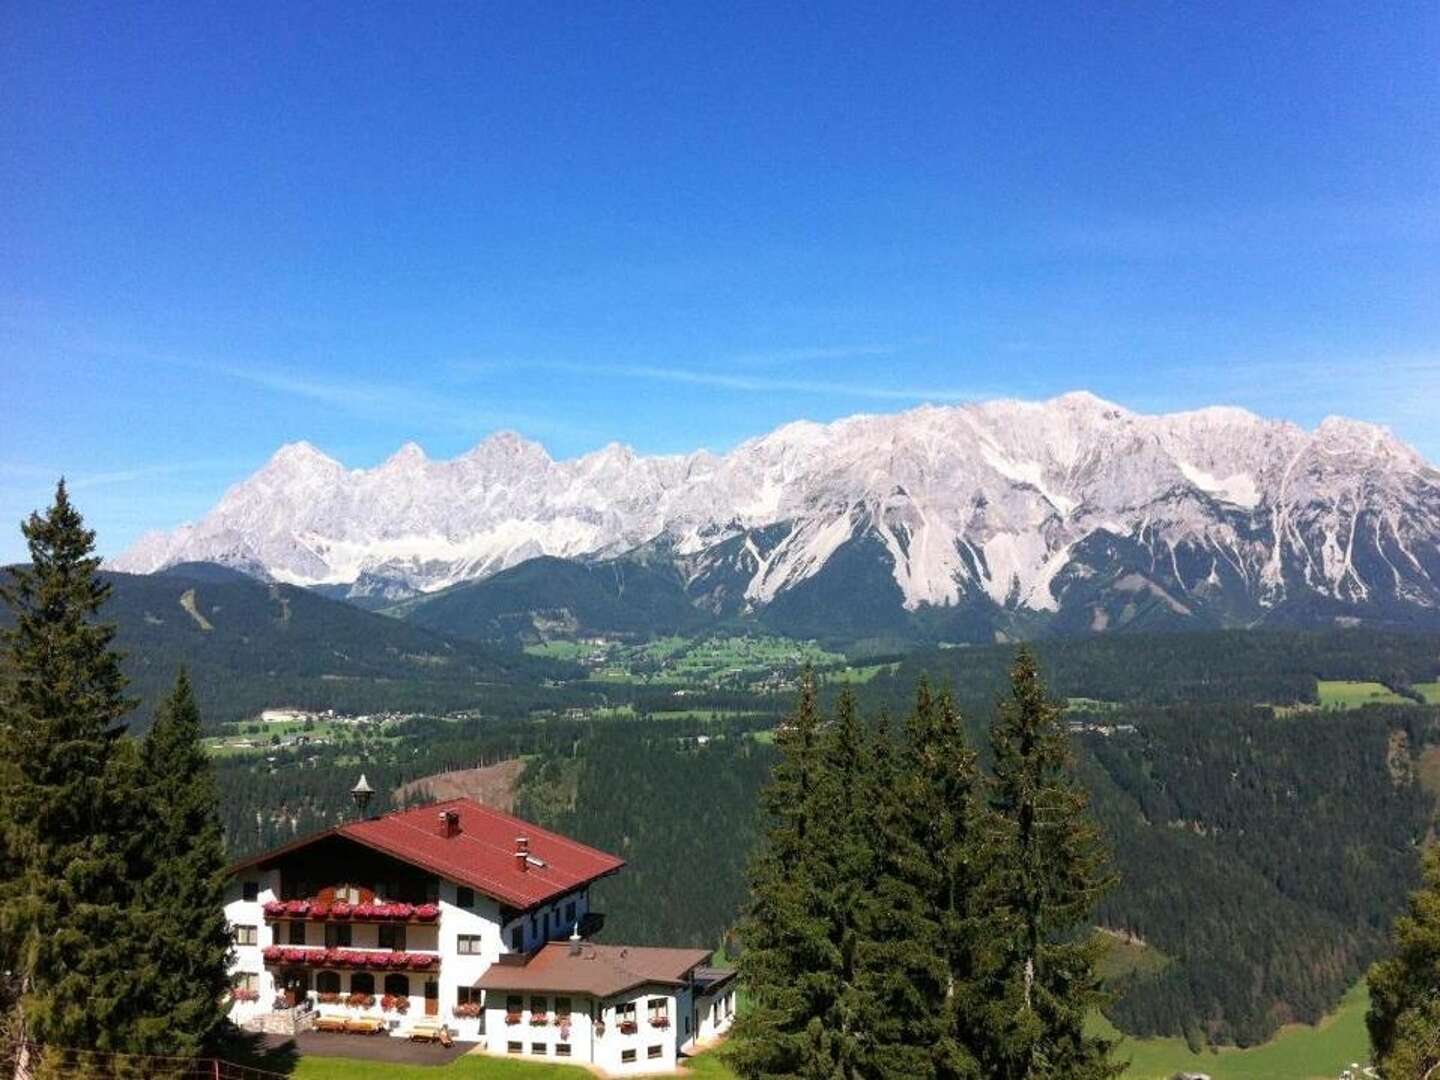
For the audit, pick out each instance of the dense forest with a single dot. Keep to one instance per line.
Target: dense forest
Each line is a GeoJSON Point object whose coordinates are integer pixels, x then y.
{"type": "Point", "coordinates": [1260, 858]}
{"type": "Point", "coordinates": [1262, 849]}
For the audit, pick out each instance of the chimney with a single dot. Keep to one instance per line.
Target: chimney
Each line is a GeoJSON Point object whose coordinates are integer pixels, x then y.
{"type": "Point", "coordinates": [522, 853]}
{"type": "Point", "coordinates": [449, 823]}
{"type": "Point", "coordinates": [575, 940]}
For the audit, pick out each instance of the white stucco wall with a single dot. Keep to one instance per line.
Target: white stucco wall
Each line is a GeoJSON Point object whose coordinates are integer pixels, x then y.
{"type": "Point", "coordinates": [607, 1050]}
{"type": "Point", "coordinates": [442, 937]}
{"type": "Point", "coordinates": [247, 958]}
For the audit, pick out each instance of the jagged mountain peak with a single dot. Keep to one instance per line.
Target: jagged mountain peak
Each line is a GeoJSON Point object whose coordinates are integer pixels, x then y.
{"type": "Point", "coordinates": [1011, 506]}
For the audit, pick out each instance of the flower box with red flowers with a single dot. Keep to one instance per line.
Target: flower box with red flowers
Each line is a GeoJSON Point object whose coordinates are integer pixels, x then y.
{"type": "Point", "coordinates": [427, 912]}
{"type": "Point", "coordinates": [512, 1018]}
{"type": "Point", "coordinates": [628, 1027]}
{"type": "Point", "coordinates": [467, 1010]}
{"type": "Point", "coordinates": [272, 954]}
{"type": "Point", "coordinates": [419, 961]}
{"type": "Point", "coordinates": [660, 1021]}
{"type": "Point", "coordinates": [340, 910]}
{"type": "Point", "coordinates": [274, 909]}
{"type": "Point", "coordinates": [360, 1001]}
{"type": "Point", "coordinates": [539, 1019]}
{"type": "Point", "coordinates": [243, 994]}
{"type": "Point", "coordinates": [328, 997]}
{"type": "Point", "coordinates": [395, 1003]}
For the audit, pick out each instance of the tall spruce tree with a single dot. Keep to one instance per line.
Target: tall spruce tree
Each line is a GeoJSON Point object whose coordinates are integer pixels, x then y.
{"type": "Point", "coordinates": [1045, 867]}
{"type": "Point", "coordinates": [845, 861]}
{"type": "Point", "coordinates": [789, 956]}
{"type": "Point", "coordinates": [64, 902]}
{"type": "Point", "coordinates": [180, 909]}
{"type": "Point", "coordinates": [918, 926]}
{"type": "Point", "coordinates": [1404, 1016]}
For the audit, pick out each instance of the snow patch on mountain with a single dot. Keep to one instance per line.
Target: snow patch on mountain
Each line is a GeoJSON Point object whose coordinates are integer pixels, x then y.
{"type": "Point", "coordinates": [975, 503]}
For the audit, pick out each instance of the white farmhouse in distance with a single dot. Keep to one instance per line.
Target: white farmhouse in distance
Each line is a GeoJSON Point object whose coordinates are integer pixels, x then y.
{"type": "Point", "coordinates": [457, 915]}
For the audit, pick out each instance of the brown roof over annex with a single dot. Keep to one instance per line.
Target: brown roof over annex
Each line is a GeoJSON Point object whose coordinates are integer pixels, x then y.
{"type": "Point", "coordinates": [587, 968]}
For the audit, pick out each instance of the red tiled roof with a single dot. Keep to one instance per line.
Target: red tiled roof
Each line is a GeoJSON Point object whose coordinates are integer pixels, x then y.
{"type": "Point", "coordinates": [599, 970]}
{"type": "Point", "coordinates": [481, 854]}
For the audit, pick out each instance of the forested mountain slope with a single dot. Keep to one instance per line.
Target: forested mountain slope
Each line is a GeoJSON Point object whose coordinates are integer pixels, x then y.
{"type": "Point", "coordinates": [1260, 858]}
{"type": "Point", "coordinates": [249, 645]}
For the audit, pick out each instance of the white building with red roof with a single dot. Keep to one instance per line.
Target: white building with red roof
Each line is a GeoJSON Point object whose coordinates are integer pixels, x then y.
{"type": "Point", "coordinates": [447, 916]}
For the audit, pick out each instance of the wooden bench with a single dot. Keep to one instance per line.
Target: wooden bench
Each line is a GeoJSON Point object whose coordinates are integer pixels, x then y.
{"type": "Point", "coordinates": [330, 1023]}
{"type": "Point", "coordinates": [429, 1031]}
{"type": "Point", "coordinates": [365, 1025]}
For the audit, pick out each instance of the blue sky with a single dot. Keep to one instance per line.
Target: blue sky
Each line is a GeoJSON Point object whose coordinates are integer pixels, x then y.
{"type": "Point", "coordinates": [224, 227]}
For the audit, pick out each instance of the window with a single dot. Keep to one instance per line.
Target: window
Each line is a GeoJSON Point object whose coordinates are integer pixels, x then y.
{"type": "Point", "coordinates": [468, 944]}
{"type": "Point", "coordinates": [562, 1008]}
{"type": "Point", "coordinates": [327, 982]}
{"type": "Point", "coordinates": [250, 891]}
{"type": "Point", "coordinates": [337, 935]}
{"type": "Point", "coordinates": [297, 933]}
{"type": "Point", "coordinates": [245, 935]}
{"type": "Point", "coordinates": [464, 897]}
{"type": "Point", "coordinates": [659, 1011]}
{"type": "Point", "coordinates": [570, 913]}
{"type": "Point", "coordinates": [625, 1014]}
{"type": "Point", "coordinates": [362, 982]}
{"type": "Point", "coordinates": [654, 1051]}
{"type": "Point", "coordinates": [467, 995]}
{"type": "Point", "coordinates": [397, 985]}
{"type": "Point", "coordinates": [687, 1023]}
{"type": "Point", "coordinates": [245, 980]}
{"type": "Point", "coordinates": [517, 939]}
{"type": "Point", "coordinates": [627, 1056]}
{"type": "Point", "coordinates": [514, 1048]}
{"type": "Point", "coordinates": [562, 1049]}
{"type": "Point", "coordinates": [538, 1048]}
{"type": "Point", "coordinates": [538, 1005]}
{"type": "Point", "coordinates": [392, 937]}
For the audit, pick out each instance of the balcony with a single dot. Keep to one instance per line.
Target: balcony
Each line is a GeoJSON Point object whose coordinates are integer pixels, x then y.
{"type": "Point", "coordinates": [364, 959]}
{"type": "Point", "coordinates": [318, 911]}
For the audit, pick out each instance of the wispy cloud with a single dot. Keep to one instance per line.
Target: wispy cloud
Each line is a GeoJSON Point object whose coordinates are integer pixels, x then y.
{"type": "Point", "coordinates": [368, 398]}
{"type": "Point", "coordinates": [813, 353]}
{"type": "Point", "coordinates": [760, 384]}
{"type": "Point", "coordinates": [29, 473]}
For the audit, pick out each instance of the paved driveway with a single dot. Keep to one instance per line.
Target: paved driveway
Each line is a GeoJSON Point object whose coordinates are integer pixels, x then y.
{"type": "Point", "coordinates": [366, 1048]}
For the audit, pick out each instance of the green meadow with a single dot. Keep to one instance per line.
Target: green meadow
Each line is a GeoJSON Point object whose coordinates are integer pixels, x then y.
{"type": "Point", "coordinates": [1349, 694]}
{"type": "Point", "coordinates": [1298, 1052]}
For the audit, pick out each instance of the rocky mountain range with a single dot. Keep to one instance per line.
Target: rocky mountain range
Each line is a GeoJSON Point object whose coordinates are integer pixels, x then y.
{"type": "Point", "coordinates": [966, 523]}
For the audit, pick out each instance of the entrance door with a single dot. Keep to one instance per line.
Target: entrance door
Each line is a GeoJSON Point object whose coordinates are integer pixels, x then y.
{"type": "Point", "coordinates": [296, 987]}
{"type": "Point", "coordinates": [432, 998]}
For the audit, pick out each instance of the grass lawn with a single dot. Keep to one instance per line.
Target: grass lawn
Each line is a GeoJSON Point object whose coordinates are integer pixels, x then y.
{"type": "Point", "coordinates": [1430, 691]}
{"type": "Point", "coordinates": [1298, 1052]}
{"type": "Point", "coordinates": [474, 1067]}
{"type": "Point", "coordinates": [1344, 694]}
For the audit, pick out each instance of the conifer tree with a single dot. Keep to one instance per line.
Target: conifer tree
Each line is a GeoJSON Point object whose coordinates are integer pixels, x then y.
{"type": "Point", "coordinates": [905, 976]}
{"type": "Point", "coordinates": [1045, 867]}
{"type": "Point", "coordinates": [788, 953]}
{"type": "Point", "coordinates": [186, 943]}
{"type": "Point", "coordinates": [1404, 1016]}
{"type": "Point", "coordinates": [845, 860]}
{"type": "Point", "coordinates": [63, 903]}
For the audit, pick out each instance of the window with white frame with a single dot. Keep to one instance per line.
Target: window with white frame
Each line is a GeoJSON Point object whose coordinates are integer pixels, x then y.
{"type": "Point", "coordinates": [245, 934]}
{"type": "Point", "coordinates": [468, 944]}
{"type": "Point", "coordinates": [659, 1010]}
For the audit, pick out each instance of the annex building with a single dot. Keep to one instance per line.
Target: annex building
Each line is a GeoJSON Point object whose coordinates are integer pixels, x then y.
{"type": "Point", "coordinates": [455, 914]}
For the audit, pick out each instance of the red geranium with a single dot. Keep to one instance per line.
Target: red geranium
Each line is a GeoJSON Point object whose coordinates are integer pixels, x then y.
{"type": "Point", "coordinates": [427, 912]}
{"type": "Point", "coordinates": [340, 910]}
